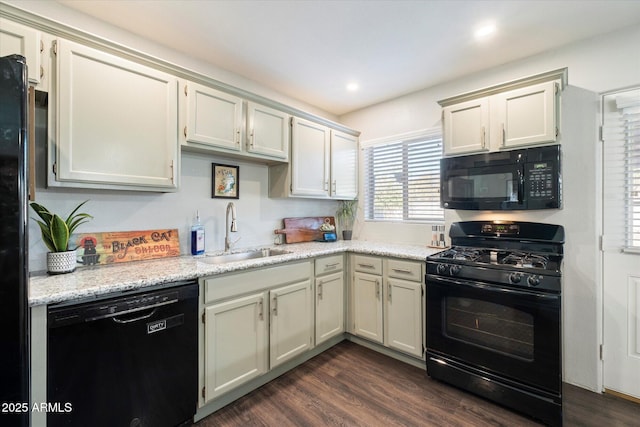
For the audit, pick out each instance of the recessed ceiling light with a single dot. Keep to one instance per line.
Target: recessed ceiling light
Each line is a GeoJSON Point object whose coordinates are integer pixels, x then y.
{"type": "Point", "coordinates": [352, 87]}
{"type": "Point", "coordinates": [485, 31]}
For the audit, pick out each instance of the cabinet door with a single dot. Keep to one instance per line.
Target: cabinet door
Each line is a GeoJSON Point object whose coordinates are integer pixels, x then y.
{"type": "Point", "coordinates": [367, 306]}
{"type": "Point", "coordinates": [291, 319]}
{"type": "Point", "coordinates": [404, 316]}
{"type": "Point", "coordinates": [21, 40]}
{"type": "Point", "coordinates": [466, 127]}
{"type": "Point", "coordinates": [527, 116]}
{"type": "Point", "coordinates": [309, 159]}
{"type": "Point", "coordinates": [344, 165]}
{"type": "Point", "coordinates": [214, 118]}
{"type": "Point", "coordinates": [235, 343]}
{"type": "Point", "coordinates": [267, 131]}
{"type": "Point", "coordinates": [117, 121]}
{"type": "Point", "coordinates": [329, 306]}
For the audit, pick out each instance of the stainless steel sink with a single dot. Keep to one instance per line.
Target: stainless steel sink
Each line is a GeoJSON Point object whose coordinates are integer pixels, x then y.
{"type": "Point", "coordinates": [242, 256]}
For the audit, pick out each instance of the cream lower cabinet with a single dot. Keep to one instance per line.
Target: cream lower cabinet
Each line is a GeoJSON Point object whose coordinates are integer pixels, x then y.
{"type": "Point", "coordinates": [236, 336]}
{"type": "Point", "coordinates": [253, 321]}
{"type": "Point", "coordinates": [329, 297]}
{"type": "Point", "coordinates": [291, 320]}
{"type": "Point", "coordinates": [367, 298]}
{"type": "Point", "coordinates": [388, 302]}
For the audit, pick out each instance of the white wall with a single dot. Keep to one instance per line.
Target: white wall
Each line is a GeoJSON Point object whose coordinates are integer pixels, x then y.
{"type": "Point", "coordinates": [596, 65]}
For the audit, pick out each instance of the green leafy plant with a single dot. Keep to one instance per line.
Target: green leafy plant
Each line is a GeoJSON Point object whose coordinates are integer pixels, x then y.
{"type": "Point", "coordinates": [56, 231]}
{"type": "Point", "coordinates": [346, 213]}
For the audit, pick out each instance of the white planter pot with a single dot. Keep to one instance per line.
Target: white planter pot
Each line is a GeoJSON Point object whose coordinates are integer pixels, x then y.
{"type": "Point", "coordinates": [61, 262]}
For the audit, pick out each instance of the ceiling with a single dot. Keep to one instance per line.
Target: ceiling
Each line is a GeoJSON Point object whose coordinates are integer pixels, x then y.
{"type": "Point", "coordinates": [310, 50]}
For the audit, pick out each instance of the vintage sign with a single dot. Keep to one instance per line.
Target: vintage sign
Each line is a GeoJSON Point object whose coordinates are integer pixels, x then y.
{"type": "Point", "coordinates": [124, 246]}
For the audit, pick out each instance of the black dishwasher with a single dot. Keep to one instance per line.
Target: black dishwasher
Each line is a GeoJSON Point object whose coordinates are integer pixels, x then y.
{"type": "Point", "coordinates": [128, 361]}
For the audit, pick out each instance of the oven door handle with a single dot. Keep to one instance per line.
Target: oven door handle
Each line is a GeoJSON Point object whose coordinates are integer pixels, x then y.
{"type": "Point", "coordinates": [491, 288]}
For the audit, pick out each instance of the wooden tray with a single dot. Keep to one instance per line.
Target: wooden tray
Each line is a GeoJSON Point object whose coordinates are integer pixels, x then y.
{"type": "Point", "coordinates": [304, 229]}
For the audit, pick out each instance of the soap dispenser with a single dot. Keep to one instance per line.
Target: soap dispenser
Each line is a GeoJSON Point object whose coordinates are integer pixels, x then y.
{"type": "Point", "coordinates": [197, 237]}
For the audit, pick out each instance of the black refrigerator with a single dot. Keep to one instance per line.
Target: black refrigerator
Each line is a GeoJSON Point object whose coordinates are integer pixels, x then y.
{"type": "Point", "coordinates": [14, 268]}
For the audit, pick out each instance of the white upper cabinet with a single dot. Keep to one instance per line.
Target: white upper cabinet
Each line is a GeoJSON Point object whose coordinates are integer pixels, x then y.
{"type": "Point", "coordinates": [116, 122]}
{"type": "Point", "coordinates": [344, 165]}
{"type": "Point", "coordinates": [213, 118]}
{"type": "Point", "coordinates": [466, 127]}
{"type": "Point", "coordinates": [323, 164]}
{"type": "Point", "coordinates": [309, 159]}
{"type": "Point", "coordinates": [267, 131]}
{"type": "Point", "coordinates": [527, 114]}
{"type": "Point", "coordinates": [25, 41]}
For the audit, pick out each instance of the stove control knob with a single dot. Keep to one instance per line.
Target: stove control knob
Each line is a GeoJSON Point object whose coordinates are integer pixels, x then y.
{"type": "Point", "coordinates": [515, 277]}
{"type": "Point", "coordinates": [441, 268]}
{"type": "Point", "coordinates": [533, 281]}
{"type": "Point", "coordinates": [455, 269]}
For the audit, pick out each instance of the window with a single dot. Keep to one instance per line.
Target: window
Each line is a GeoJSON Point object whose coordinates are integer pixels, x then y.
{"type": "Point", "coordinates": [621, 135]}
{"type": "Point", "coordinates": [402, 178]}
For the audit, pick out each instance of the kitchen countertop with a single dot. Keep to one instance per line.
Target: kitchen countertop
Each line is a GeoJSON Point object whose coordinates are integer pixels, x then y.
{"type": "Point", "coordinates": [96, 281]}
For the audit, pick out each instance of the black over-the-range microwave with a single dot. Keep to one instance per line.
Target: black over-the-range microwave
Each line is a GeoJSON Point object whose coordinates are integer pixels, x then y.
{"type": "Point", "coordinates": [522, 179]}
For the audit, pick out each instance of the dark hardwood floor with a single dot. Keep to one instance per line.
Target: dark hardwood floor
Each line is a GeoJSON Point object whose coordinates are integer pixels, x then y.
{"type": "Point", "coordinates": [350, 385]}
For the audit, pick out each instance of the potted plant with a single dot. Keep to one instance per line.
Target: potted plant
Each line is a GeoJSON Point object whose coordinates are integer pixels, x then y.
{"type": "Point", "coordinates": [56, 233]}
{"type": "Point", "coordinates": [346, 215]}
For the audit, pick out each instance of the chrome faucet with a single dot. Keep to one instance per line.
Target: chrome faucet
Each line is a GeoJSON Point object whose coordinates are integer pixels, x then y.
{"type": "Point", "coordinates": [227, 242]}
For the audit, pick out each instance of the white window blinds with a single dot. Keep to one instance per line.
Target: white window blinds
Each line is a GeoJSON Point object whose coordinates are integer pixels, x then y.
{"type": "Point", "coordinates": [402, 179]}
{"type": "Point", "coordinates": [621, 136]}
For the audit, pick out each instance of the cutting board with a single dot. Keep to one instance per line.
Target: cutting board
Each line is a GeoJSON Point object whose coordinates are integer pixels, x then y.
{"type": "Point", "coordinates": [304, 229]}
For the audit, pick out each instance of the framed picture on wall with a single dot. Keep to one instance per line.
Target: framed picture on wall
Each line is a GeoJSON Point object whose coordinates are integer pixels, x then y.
{"type": "Point", "coordinates": [225, 180]}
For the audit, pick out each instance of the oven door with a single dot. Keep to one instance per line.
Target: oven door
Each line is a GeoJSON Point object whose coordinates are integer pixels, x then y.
{"type": "Point", "coordinates": [514, 334]}
{"type": "Point", "coordinates": [492, 181]}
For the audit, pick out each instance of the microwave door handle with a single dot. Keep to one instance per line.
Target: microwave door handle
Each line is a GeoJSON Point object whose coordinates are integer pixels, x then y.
{"type": "Point", "coordinates": [521, 184]}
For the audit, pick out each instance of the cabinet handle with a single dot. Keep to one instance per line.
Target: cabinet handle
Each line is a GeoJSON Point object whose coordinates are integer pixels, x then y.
{"type": "Point", "coordinates": [377, 289]}
{"type": "Point", "coordinates": [251, 139]}
{"type": "Point", "coordinates": [399, 270]}
{"type": "Point", "coordinates": [275, 306]}
{"type": "Point", "coordinates": [483, 137]}
{"type": "Point", "coordinates": [366, 265]}
{"type": "Point", "coordinates": [335, 186]}
{"type": "Point", "coordinates": [320, 290]}
{"type": "Point", "coordinates": [326, 186]}
{"type": "Point", "coordinates": [186, 93]}
{"type": "Point", "coordinates": [330, 266]}
{"type": "Point", "coordinates": [504, 136]}
{"type": "Point", "coordinates": [389, 286]}
{"type": "Point", "coordinates": [261, 309]}
{"type": "Point", "coordinates": [238, 136]}
{"type": "Point", "coordinates": [185, 131]}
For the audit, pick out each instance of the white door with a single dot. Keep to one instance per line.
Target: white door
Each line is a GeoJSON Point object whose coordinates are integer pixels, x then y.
{"type": "Point", "coordinates": [214, 118]}
{"type": "Point", "coordinates": [466, 127]}
{"type": "Point", "coordinates": [526, 116]}
{"type": "Point", "coordinates": [404, 316]}
{"type": "Point", "coordinates": [329, 306]}
{"type": "Point", "coordinates": [268, 131]}
{"type": "Point", "coordinates": [291, 319]}
{"type": "Point", "coordinates": [309, 159]}
{"type": "Point", "coordinates": [621, 243]}
{"type": "Point", "coordinates": [367, 306]}
{"type": "Point", "coordinates": [235, 343]}
{"type": "Point", "coordinates": [344, 165]}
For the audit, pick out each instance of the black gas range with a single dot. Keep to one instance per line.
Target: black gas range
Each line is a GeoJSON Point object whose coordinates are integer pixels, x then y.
{"type": "Point", "coordinates": [494, 314]}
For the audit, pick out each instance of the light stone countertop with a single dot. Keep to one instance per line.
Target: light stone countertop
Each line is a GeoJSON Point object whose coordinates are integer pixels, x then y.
{"type": "Point", "coordinates": [96, 281]}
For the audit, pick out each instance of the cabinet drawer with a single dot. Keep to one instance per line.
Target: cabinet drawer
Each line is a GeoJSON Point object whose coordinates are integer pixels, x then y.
{"type": "Point", "coordinates": [367, 264]}
{"type": "Point", "coordinates": [329, 264]}
{"type": "Point", "coordinates": [234, 284]}
{"type": "Point", "coordinates": [406, 270]}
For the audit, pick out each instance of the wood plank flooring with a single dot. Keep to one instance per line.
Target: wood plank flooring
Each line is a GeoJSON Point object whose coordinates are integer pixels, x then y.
{"type": "Point", "coordinates": [350, 385]}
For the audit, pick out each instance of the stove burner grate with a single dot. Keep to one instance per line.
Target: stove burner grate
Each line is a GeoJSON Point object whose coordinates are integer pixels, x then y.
{"type": "Point", "coordinates": [523, 259]}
